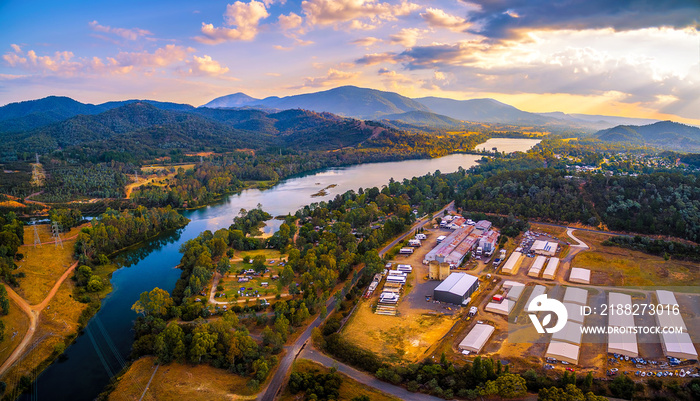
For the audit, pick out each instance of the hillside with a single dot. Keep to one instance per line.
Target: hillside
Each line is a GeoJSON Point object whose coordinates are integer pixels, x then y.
{"type": "Point", "coordinates": [348, 101]}
{"type": "Point", "coordinates": [230, 101]}
{"type": "Point", "coordinates": [424, 118]}
{"type": "Point", "coordinates": [664, 134]}
{"type": "Point", "coordinates": [141, 128]}
{"type": "Point", "coordinates": [22, 116]}
{"type": "Point", "coordinates": [482, 110]}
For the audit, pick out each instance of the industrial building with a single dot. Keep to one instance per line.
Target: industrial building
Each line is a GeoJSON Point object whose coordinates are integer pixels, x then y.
{"type": "Point", "coordinates": [456, 257]}
{"type": "Point", "coordinates": [546, 248]}
{"type": "Point", "coordinates": [477, 338]}
{"type": "Point", "coordinates": [576, 296]}
{"type": "Point", "coordinates": [580, 276]}
{"type": "Point", "coordinates": [444, 248]}
{"type": "Point", "coordinates": [676, 345]}
{"type": "Point", "coordinates": [513, 263]}
{"type": "Point", "coordinates": [482, 226]}
{"type": "Point", "coordinates": [488, 242]}
{"type": "Point", "coordinates": [551, 269]}
{"type": "Point", "coordinates": [537, 266]}
{"type": "Point", "coordinates": [571, 333]}
{"type": "Point", "coordinates": [575, 312]}
{"type": "Point", "coordinates": [563, 351]}
{"type": "Point", "coordinates": [513, 292]}
{"type": "Point", "coordinates": [537, 291]}
{"type": "Point", "coordinates": [621, 341]}
{"type": "Point", "coordinates": [456, 288]}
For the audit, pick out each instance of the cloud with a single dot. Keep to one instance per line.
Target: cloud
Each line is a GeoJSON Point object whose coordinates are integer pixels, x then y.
{"type": "Point", "coordinates": [406, 37]}
{"type": "Point", "coordinates": [366, 42]}
{"type": "Point", "coordinates": [499, 19]}
{"type": "Point", "coordinates": [65, 64]}
{"type": "Point", "coordinates": [378, 58]}
{"type": "Point", "coordinates": [438, 18]}
{"type": "Point", "coordinates": [206, 66]}
{"type": "Point", "coordinates": [288, 22]}
{"type": "Point", "coordinates": [245, 17]}
{"type": "Point", "coordinates": [335, 12]}
{"type": "Point", "coordinates": [332, 77]}
{"type": "Point", "coordinates": [129, 34]}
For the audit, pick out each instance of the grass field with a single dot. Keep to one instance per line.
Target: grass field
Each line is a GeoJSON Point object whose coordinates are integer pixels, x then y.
{"type": "Point", "coordinates": [180, 382]}
{"type": "Point", "coordinates": [622, 266]}
{"type": "Point", "coordinates": [404, 337]}
{"type": "Point", "coordinates": [231, 284]}
{"type": "Point", "coordinates": [348, 389]}
{"type": "Point", "coordinates": [57, 322]}
{"type": "Point", "coordinates": [16, 324]}
{"type": "Point", "coordinates": [43, 265]}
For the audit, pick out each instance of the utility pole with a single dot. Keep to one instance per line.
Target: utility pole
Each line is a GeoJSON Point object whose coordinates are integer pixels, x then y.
{"type": "Point", "coordinates": [37, 241]}
{"type": "Point", "coordinates": [56, 233]}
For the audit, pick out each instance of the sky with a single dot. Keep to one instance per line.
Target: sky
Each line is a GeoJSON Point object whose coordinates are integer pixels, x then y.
{"type": "Point", "coordinates": [633, 58]}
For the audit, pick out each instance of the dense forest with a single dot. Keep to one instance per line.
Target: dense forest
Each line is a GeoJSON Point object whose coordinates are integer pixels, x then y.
{"type": "Point", "coordinates": [11, 237]}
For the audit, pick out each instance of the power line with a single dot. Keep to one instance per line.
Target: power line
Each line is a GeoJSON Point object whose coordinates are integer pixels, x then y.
{"type": "Point", "coordinates": [56, 233]}
{"type": "Point", "coordinates": [37, 241]}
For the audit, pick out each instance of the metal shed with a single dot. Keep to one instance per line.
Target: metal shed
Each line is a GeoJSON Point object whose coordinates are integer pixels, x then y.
{"type": "Point", "coordinates": [456, 288]}
{"type": "Point", "coordinates": [477, 338]}
{"type": "Point", "coordinates": [579, 275]}
{"type": "Point", "coordinates": [551, 269]}
{"type": "Point", "coordinates": [563, 352]}
{"type": "Point", "coordinates": [575, 295]}
{"type": "Point", "coordinates": [537, 266]}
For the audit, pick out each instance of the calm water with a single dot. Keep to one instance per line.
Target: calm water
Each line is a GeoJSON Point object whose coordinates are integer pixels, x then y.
{"type": "Point", "coordinates": [105, 344]}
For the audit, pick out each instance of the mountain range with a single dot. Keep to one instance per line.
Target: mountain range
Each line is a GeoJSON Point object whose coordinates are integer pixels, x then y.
{"type": "Point", "coordinates": [362, 103]}
{"type": "Point", "coordinates": [664, 134]}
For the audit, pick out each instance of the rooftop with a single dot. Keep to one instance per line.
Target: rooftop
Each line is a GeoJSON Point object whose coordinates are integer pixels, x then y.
{"type": "Point", "coordinates": [457, 283]}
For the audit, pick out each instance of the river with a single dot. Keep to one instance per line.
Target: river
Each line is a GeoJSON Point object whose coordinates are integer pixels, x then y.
{"type": "Point", "coordinates": [102, 349]}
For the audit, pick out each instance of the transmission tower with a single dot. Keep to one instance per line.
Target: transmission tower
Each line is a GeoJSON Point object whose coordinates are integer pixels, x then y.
{"type": "Point", "coordinates": [37, 157]}
{"type": "Point", "coordinates": [136, 175]}
{"type": "Point", "coordinates": [37, 241]}
{"type": "Point", "coordinates": [56, 233]}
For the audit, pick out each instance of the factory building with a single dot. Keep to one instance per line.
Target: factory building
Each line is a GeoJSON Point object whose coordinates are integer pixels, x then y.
{"type": "Point", "coordinates": [477, 338]}
{"type": "Point", "coordinates": [546, 248]}
{"type": "Point", "coordinates": [488, 242]}
{"type": "Point", "coordinates": [456, 288]}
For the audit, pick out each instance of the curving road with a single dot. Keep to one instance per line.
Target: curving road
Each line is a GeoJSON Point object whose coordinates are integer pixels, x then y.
{"type": "Point", "coordinates": [292, 351]}
{"type": "Point", "coordinates": [33, 311]}
{"type": "Point", "coordinates": [312, 354]}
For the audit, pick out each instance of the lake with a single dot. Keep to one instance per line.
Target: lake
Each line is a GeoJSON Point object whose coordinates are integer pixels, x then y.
{"type": "Point", "coordinates": [102, 349]}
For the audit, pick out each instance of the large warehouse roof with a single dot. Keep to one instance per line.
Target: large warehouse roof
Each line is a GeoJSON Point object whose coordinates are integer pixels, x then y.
{"type": "Point", "coordinates": [623, 343]}
{"type": "Point", "coordinates": [502, 308]}
{"type": "Point", "coordinates": [477, 338]}
{"type": "Point", "coordinates": [669, 319]}
{"type": "Point", "coordinates": [679, 345]}
{"type": "Point", "coordinates": [551, 269]}
{"type": "Point", "coordinates": [537, 266]}
{"type": "Point", "coordinates": [579, 275]}
{"type": "Point", "coordinates": [515, 289]}
{"type": "Point", "coordinates": [457, 283]}
{"type": "Point", "coordinates": [563, 351]}
{"type": "Point", "coordinates": [544, 247]}
{"type": "Point", "coordinates": [571, 333]}
{"type": "Point", "coordinates": [575, 312]}
{"type": "Point", "coordinates": [513, 263]}
{"type": "Point", "coordinates": [666, 297]}
{"type": "Point", "coordinates": [538, 290]}
{"type": "Point", "coordinates": [576, 296]}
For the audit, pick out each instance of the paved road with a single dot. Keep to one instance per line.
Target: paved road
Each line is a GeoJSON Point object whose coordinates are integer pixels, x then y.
{"type": "Point", "coordinates": [33, 312]}
{"type": "Point", "coordinates": [364, 378]}
{"type": "Point", "coordinates": [292, 351]}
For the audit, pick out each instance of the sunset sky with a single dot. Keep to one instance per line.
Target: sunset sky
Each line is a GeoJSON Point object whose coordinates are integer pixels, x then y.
{"type": "Point", "coordinates": [634, 58]}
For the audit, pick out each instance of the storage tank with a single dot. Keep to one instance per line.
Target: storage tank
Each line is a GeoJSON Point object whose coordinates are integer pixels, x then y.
{"type": "Point", "coordinates": [444, 271]}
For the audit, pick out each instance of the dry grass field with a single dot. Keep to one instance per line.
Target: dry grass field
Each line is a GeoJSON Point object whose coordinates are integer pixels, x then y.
{"type": "Point", "coordinates": [405, 337]}
{"type": "Point", "coordinates": [43, 265]}
{"type": "Point", "coordinates": [180, 382]}
{"type": "Point", "coordinates": [16, 324]}
{"type": "Point", "coordinates": [611, 265]}
{"type": "Point", "coordinates": [348, 389]}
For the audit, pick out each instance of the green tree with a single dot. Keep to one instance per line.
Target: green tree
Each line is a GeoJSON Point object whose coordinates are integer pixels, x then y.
{"type": "Point", "coordinates": [259, 263]}
{"type": "Point", "coordinates": [154, 302]}
{"type": "Point", "coordinates": [95, 284]}
{"type": "Point", "coordinates": [4, 301]}
{"type": "Point", "coordinates": [223, 266]}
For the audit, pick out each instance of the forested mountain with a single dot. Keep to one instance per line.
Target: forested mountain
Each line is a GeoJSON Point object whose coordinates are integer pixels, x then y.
{"type": "Point", "coordinates": [483, 110]}
{"type": "Point", "coordinates": [665, 134]}
{"type": "Point", "coordinates": [230, 101]}
{"type": "Point", "coordinates": [23, 116]}
{"type": "Point", "coordinates": [349, 101]}
{"type": "Point", "coordinates": [597, 121]}
{"type": "Point", "coordinates": [423, 118]}
{"type": "Point", "coordinates": [139, 128]}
